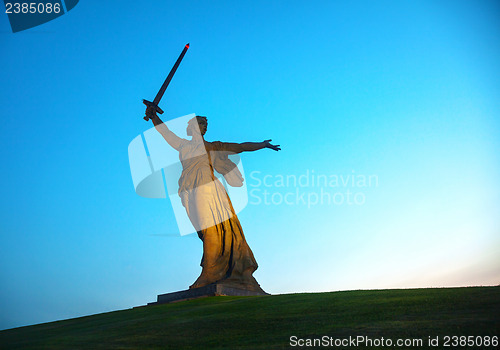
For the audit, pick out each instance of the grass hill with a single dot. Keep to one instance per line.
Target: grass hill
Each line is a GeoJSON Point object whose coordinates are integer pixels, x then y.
{"type": "Point", "coordinates": [268, 322]}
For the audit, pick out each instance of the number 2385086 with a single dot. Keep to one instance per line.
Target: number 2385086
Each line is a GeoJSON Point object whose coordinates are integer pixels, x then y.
{"type": "Point", "coordinates": [32, 7]}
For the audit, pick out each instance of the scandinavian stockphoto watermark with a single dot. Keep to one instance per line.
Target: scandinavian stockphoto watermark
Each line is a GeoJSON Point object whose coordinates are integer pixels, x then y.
{"type": "Point", "coordinates": [310, 188]}
{"type": "Point", "coordinates": [156, 169]}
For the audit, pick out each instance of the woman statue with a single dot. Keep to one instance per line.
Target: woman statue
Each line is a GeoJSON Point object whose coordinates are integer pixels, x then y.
{"type": "Point", "coordinates": [227, 258]}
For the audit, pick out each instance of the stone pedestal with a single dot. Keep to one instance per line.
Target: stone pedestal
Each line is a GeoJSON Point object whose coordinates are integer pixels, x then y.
{"type": "Point", "coordinates": [214, 289]}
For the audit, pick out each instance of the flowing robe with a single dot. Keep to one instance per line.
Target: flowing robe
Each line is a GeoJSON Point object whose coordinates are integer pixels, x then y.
{"type": "Point", "coordinates": [226, 254]}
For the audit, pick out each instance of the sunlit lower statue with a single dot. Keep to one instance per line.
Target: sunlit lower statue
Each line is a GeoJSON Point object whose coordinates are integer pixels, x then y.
{"type": "Point", "coordinates": [227, 258]}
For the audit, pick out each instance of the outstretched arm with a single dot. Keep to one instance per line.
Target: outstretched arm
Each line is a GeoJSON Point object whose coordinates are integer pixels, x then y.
{"type": "Point", "coordinates": [172, 139]}
{"type": "Point", "coordinates": [249, 146]}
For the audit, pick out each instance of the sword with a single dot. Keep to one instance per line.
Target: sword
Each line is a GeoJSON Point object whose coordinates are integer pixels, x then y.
{"type": "Point", "coordinates": [160, 93]}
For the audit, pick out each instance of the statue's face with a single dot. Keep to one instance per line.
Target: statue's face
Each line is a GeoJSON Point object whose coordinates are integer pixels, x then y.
{"type": "Point", "coordinates": [201, 129]}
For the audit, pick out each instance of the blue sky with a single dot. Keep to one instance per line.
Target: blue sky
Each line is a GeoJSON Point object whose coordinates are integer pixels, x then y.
{"type": "Point", "coordinates": [406, 91]}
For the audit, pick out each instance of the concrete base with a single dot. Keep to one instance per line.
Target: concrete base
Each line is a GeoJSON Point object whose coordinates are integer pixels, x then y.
{"type": "Point", "coordinates": [214, 289]}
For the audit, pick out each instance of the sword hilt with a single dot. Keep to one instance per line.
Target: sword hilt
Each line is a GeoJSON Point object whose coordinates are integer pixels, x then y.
{"type": "Point", "coordinates": [152, 105]}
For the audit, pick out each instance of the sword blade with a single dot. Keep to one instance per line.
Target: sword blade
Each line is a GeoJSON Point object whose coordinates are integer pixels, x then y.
{"type": "Point", "coordinates": [160, 93]}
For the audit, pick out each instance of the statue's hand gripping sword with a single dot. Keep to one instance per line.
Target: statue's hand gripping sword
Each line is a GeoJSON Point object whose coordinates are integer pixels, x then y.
{"type": "Point", "coordinates": [159, 95]}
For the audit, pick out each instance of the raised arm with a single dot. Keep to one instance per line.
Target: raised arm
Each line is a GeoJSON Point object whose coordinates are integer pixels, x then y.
{"type": "Point", "coordinates": [172, 139]}
{"type": "Point", "coordinates": [248, 146]}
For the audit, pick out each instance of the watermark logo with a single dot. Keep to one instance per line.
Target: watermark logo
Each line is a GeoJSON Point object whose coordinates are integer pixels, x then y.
{"type": "Point", "coordinates": [156, 169]}
{"type": "Point", "coordinates": [310, 188]}
{"type": "Point", "coordinates": [31, 13]}
{"type": "Point", "coordinates": [164, 163]}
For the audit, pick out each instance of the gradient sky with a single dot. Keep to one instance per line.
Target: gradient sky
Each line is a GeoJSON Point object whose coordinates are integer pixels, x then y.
{"type": "Point", "coordinates": [407, 91]}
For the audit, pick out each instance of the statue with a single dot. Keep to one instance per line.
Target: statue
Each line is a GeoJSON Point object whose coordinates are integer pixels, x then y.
{"type": "Point", "coordinates": [227, 258]}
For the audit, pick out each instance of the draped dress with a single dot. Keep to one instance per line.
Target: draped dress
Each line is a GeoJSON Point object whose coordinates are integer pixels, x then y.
{"type": "Point", "coordinates": [226, 257]}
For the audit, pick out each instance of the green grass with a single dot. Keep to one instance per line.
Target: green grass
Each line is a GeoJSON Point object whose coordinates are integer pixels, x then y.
{"type": "Point", "coordinates": [267, 322]}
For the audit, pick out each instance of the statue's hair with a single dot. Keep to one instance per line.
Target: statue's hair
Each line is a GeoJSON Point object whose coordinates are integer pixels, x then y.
{"type": "Point", "coordinates": [201, 117]}
{"type": "Point", "coordinates": [198, 118]}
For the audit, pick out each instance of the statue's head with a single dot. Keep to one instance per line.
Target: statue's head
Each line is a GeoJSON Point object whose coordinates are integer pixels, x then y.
{"type": "Point", "coordinates": [197, 125]}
